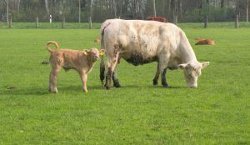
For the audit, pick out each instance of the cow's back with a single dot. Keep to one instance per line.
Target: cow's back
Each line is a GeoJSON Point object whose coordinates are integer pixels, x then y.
{"type": "Point", "coordinates": [140, 41]}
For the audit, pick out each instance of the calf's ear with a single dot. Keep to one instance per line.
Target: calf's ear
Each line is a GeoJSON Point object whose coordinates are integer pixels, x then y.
{"type": "Point", "coordinates": [182, 66]}
{"type": "Point", "coordinates": [101, 51]}
{"type": "Point", "coordinates": [204, 64]}
{"type": "Point", "coordinates": [85, 51]}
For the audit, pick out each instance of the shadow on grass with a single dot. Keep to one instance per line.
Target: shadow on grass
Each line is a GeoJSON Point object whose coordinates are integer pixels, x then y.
{"type": "Point", "coordinates": [26, 91]}
{"type": "Point", "coordinates": [38, 91]}
{"type": "Point", "coordinates": [145, 87]}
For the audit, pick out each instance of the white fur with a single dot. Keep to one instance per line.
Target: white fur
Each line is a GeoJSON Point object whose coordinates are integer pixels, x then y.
{"type": "Point", "coordinates": [165, 41]}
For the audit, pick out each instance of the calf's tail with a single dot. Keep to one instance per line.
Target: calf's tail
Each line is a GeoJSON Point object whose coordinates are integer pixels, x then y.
{"type": "Point", "coordinates": [50, 43]}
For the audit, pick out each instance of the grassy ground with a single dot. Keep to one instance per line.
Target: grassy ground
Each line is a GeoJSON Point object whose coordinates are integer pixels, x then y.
{"type": "Point", "coordinates": [218, 112]}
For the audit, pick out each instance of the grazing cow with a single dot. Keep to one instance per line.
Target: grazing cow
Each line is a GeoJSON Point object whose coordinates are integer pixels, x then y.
{"type": "Point", "coordinates": [80, 60]}
{"type": "Point", "coordinates": [157, 18]}
{"type": "Point", "coordinates": [140, 42]}
{"type": "Point", "coordinates": [203, 41]}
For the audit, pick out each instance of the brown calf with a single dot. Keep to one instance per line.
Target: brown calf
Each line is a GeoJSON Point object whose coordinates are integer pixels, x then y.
{"type": "Point", "coordinates": [80, 60]}
{"type": "Point", "coordinates": [203, 41]}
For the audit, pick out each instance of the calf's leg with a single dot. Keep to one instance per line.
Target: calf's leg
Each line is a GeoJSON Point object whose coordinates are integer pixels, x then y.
{"type": "Point", "coordinates": [84, 78]}
{"type": "Point", "coordinates": [53, 78]}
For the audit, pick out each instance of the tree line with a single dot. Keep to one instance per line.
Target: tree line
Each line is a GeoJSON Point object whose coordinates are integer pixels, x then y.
{"type": "Point", "coordinates": [99, 10]}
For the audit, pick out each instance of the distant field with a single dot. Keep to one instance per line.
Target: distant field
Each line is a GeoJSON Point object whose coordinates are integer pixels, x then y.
{"type": "Point", "coordinates": [46, 25]}
{"type": "Point", "coordinates": [218, 112]}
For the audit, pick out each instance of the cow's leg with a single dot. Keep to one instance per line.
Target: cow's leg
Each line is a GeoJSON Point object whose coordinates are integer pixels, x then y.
{"type": "Point", "coordinates": [163, 61]}
{"type": "Point", "coordinates": [53, 78]}
{"type": "Point", "coordinates": [115, 80]}
{"type": "Point", "coordinates": [102, 75]}
{"type": "Point", "coordinates": [114, 77]}
{"type": "Point", "coordinates": [108, 78]}
{"type": "Point", "coordinates": [155, 80]}
{"type": "Point", "coordinates": [163, 78]}
{"type": "Point", "coordinates": [112, 62]}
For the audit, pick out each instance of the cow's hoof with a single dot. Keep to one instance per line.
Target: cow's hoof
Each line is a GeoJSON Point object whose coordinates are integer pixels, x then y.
{"type": "Point", "coordinates": [53, 91]}
{"type": "Point", "coordinates": [102, 83]}
{"type": "Point", "coordinates": [117, 84]}
{"type": "Point", "coordinates": [165, 85]}
{"type": "Point", "coordinates": [155, 82]}
{"type": "Point", "coordinates": [107, 86]}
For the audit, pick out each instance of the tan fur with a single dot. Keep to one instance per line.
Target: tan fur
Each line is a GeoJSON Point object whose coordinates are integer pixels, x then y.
{"type": "Point", "coordinates": [203, 41]}
{"type": "Point", "coordinates": [80, 60]}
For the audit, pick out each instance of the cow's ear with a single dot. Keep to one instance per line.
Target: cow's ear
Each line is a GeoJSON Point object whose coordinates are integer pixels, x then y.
{"type": "Point", "coordinates": [204, 64]}
{"type": "Point", "coordinates": [182, 66]}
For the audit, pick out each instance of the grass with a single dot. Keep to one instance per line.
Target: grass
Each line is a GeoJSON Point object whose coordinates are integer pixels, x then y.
{"type": "Point", "coordinates": [47, 25]}
{"type": "Point", "coordinates": [218, 112]}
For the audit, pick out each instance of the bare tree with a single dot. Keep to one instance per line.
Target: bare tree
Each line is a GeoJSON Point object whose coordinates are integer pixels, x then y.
{"type": "Point", "coordinates": [79, 11]}
{"type": "Point", "coordinates": [90, 14]}
{"type": "Point", "coordinates": [180, 8]}
{"type": "Point", "coordinates": [18, 5]}
{"type": "Point", "coordinates": [7, 10]}
{"type": "Point", "coordinates": [47, 6]}
{"type": "Point", "coordinates": [206, 13]}
{"type": "Point", "coordinates": [114, 7]}
{"type": "Point", "coordinates": [222, 3]}
{"type": "Point", "coordinates": [154, 8]}
{"type": "Point", "coordinates": [237, 13]}
{"type": "Point", "coordinates": [247, 4]}
{"type": "Point", "coordinates": [175, 12]}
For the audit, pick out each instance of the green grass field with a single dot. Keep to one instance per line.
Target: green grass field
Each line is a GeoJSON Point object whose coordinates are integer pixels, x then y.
{"type": "Point", "coordinates": [138, 113]}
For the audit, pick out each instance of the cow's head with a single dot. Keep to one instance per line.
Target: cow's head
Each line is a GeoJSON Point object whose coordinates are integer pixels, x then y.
{"type": "Point", "coordinates": [192, 71]}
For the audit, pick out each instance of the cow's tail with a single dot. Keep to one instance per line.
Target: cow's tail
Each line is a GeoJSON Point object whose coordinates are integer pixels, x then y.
{"type": "Point", "coordinates": [50, 43]}
{"type": "Point", "coordinates": [102, 64]}
{"type": "Point", "coordinates": [102, 70]}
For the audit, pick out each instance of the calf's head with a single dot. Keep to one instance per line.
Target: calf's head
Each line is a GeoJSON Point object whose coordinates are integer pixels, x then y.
{"type": "Point", "coordinates": [192, 71]}
{"type": "Point", "coordinates": [94, 53]}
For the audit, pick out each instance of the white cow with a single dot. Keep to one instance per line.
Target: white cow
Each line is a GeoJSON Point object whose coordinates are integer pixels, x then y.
{"type": "Point", "coordinates": [140, 42]}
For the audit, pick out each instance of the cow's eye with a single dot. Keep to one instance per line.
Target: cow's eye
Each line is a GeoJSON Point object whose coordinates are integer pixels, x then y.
{"type": "Point", "coordinates": [196, 73]}
{"type": "Point", "coordinates": [190, 74]}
